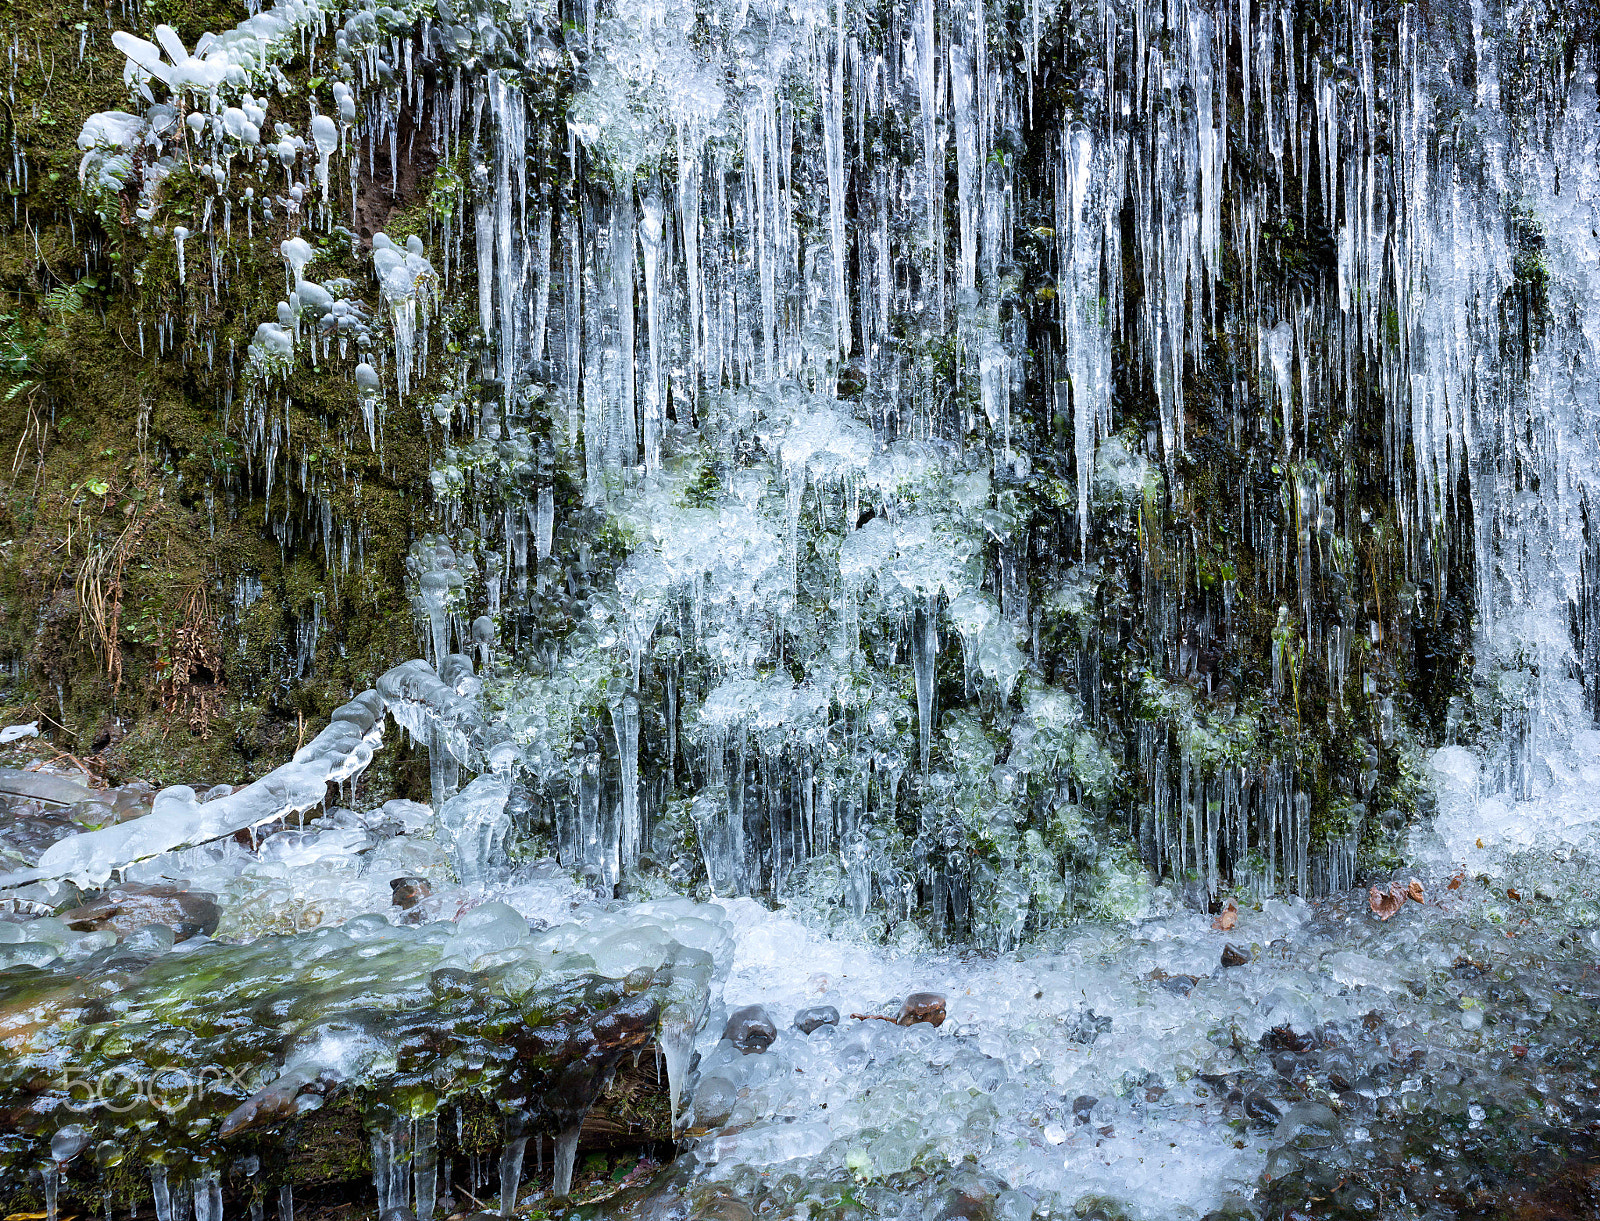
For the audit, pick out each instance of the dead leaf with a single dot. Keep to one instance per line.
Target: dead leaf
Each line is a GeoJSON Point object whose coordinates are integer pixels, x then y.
{"type": "Point", "coordinates": [1455, 882]}
{"type": "Point", "coordinates": [1414, 890]}
{"type": "Point", "coordinates": [1511, 894]}
{"type": "Point", "coordinates": [1229, 917]}
{"type": "Point", "coordinates": [1386, 904]}
{"type": "Point", "coordinates": [1480, 841]}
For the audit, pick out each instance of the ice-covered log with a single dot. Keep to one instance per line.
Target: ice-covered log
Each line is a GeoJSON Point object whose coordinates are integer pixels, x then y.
{"type": "Point", "coordinates": [179, 819]}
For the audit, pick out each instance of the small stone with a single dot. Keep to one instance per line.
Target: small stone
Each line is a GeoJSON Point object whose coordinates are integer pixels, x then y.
{"type": "Point", "coordinates": [1259, 1106]}
{"type": "Point", "coordinates": [750, 1029]}
{"type": "Point", "coordinates": [810, 1019]}
{"type": "Point", "coordinates": [922, 1007]}
{"type": "Point", "coordinates": [1233, 956]}
{"type": "Point", "coordinates": [408, 892]}
{"type": "Point", "coordinates": [1083, 1107]}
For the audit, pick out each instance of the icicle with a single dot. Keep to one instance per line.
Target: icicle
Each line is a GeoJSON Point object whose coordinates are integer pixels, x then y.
{"type": "Point", "coordinates": [924, 649]}
{"type": "Point", "coordinates": [161, 1193]}
{"type": "Point", "coordinates": [208, 1196]}
{"type": "Point", "coordinates": [625, 726]}
{"type": "Point", "coordinates": [425, 1165]}
{"type": "Point", "coordinates": [510, 1173]}
{"type": "Point", "coordinates": [545, 533]}
{"type": "Point", "coordinates": [566, 1154]}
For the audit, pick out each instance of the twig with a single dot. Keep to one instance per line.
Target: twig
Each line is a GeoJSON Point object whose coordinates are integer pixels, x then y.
{"type": "Point", "coordinates": [82, 766]}
{"type": "Point", "coordinates": [472, 1197]}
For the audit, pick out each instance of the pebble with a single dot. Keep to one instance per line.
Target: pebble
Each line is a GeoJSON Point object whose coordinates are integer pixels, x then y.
{"type": "Point", "coordinates": [408, 892]}
{"type": "Point", "coordinates": [751, 1030]}
{"type": "Point", "coordinates": [1233, 956]}
{"type": "Point", "coordinates": [807, 1020]}
{"type": "Point", "coordinates": [922, 1007]}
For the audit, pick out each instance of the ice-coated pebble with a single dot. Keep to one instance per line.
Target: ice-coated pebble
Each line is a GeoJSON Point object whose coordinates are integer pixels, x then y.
{"type": "Point", "coordinates": [750, 1029]}
{"type": "Point", "coordinates": [926, 1007]}
{"type": "Point", "coordinates": [809, 1019]}
{"type": "Point", "coordinates": [408, 892]}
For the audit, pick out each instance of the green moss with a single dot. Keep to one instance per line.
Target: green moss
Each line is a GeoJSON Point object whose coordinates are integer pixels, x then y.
{"type": "Point", "coordinates": [87, 403]}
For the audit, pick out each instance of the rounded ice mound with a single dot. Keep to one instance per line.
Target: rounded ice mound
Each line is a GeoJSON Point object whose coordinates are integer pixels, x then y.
{"type": "Point", "coordinates": [487, 928]}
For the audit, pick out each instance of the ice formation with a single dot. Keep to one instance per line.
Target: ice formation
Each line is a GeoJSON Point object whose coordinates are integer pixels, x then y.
{"type": "Point", "coordinates": [740, 587]}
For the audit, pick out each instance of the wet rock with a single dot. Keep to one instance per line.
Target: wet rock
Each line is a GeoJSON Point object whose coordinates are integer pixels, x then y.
{"type": "Point", "coordinates": [750, 1029]}
{"type": "Point", "coordinates": [1258, 1106]}
{"type": "Point", "coordinates": [127, 908]}
{"type": "Point", "coordinates": [1083, 1107]}
{"type": "Point", "coordinates": [1287, 1064]}
{"type": "Point", "coordinates": [807, 1020]}
{"type": "Point", "coordinates": [1234, 956]}
{"type": "Point", "coordinates": [1287, 1038]}
{"type": "Point", "coordinates": [922, 1007]}
{"type": "Point", "coordinates": [408, 892]}
{"type": "Point", "coordinates": [1178, 985]}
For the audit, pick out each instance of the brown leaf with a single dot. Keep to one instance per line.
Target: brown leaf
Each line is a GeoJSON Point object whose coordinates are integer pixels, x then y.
{"type": "Point", "coordinates": [1511, 894]}
{"type": "Point", "coordinates": [1229, 917]}
{"type": "Point", "coordinates": [1414, 890]}
{"type": "Point", "coordinates": [1455, 882]}
{"type": "Point", "coordinates": [1386, 904]}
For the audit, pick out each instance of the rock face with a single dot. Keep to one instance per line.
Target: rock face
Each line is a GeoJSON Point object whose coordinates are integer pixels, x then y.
{"type": "Point", "coordinates": [130, 907]}
{"type": "Point", "coordinates": [807, 1020]}
{"type": "Point", "coordinates": [750, 1030]}
{"type": "Point", "coordinates": [922, 1007]}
